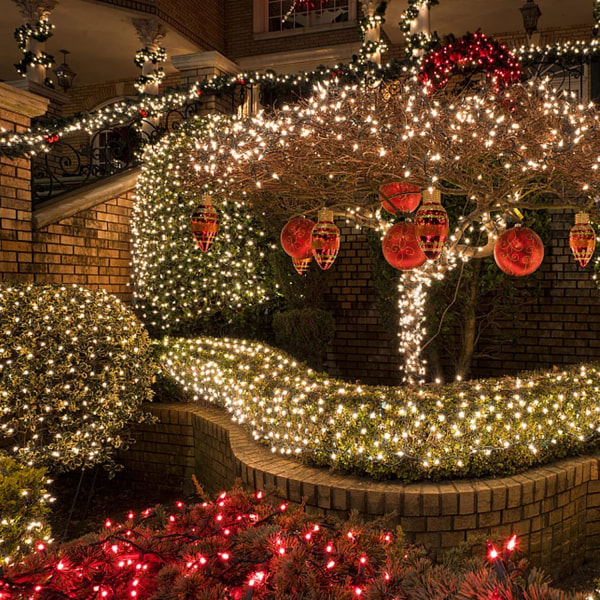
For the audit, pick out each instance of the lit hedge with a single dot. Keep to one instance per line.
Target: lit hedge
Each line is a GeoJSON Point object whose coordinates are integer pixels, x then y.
{"type": "Point", "coordinates": [75, 365]}
{"type": "Point", "coordinates": [25, 506]}
{"type": "Point", "coordinates": [478, 428]}
{"type": "Point", "coordinates": [177, 287]}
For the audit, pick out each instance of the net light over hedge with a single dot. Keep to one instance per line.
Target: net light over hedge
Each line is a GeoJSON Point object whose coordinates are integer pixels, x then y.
{"type": "Point", "coordinates": [487, 427]}
{"type": "Point", "coordinates": [177, 286]}
{"type": "Point", "coordinates": [75, 366]}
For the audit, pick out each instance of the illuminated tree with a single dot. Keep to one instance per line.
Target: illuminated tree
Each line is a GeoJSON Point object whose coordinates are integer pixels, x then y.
{"type": "Point", "coordinates": [500, 151]}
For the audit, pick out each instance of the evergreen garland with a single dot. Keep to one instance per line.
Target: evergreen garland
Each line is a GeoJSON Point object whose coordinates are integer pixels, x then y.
{"type": "Point", "coordinates": [41, 31]}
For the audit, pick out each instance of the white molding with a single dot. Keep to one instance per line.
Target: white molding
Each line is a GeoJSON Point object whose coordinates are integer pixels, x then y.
{"type": "Point", "coordinates": [300, 60]}
{"type": "Point", "coordinates": [21, 101]}
{"type": "Point", "coordinates": [204, 60]}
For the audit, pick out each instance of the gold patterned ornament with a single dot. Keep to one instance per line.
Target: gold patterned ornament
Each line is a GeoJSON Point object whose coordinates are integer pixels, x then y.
{"type": "Point", "coordinates": [582, 239]}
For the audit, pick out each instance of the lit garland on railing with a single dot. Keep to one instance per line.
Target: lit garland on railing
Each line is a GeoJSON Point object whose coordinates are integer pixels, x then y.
{"type": "Point", "coordinates": [486, 427]}
{"type": "Point", "coordinates": [35, 140]}
{"type": "Point", "coordinates": [41, 32]}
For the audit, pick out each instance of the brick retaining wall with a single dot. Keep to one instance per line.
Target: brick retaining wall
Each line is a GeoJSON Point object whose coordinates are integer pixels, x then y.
{"type": "Point", "coordinates": [555, 510]}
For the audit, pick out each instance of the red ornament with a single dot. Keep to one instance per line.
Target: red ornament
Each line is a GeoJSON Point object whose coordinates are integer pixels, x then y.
{"type": "Point", "coordinates": [325, 240]}
{"type": "Point", "coordinates": [431, 224]}
{"type": "Point", "coordinates": [401, 247]}
{"type": "Point", "coordinates": [205, 223]}
{"type": "Point", "coordinates": [52, 139]}
{"type": "Point", "coordinates": [295, 237]}
{"type": "Point", "coordinates": [519, 251]}
{"type": "Point", "coordinates": [399, 196]}
{"type": "Point", "coordinates": [301, 264]}
{"type": "Point", "coordinates": [582, 239]}
{"type": "Point", "coordinates": [143, 113]}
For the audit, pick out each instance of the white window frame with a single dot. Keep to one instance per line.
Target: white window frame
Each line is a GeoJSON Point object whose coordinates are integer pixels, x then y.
{"type": "Point", "coordinates": [261, 22]}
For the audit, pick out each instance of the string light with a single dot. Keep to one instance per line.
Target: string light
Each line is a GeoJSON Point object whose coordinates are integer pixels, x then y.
{"type": "Point", "coordinates": [75, 366]}
{"type": "Point", "coordinates": [424, 431]}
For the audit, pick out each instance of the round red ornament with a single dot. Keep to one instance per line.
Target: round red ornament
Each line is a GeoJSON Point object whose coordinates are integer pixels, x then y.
{"type": "Point", "coordinates": [519, 251]}
{"type": "Point", "coordinates": [399, 196]}
{"type": "Point", "coordinates": [582, 239]}
{"type": "Point", "coordinates": [295, 237]}
{"type": "Point", "coordinates": [205, 223]}
{"type": "Point", "coordinates": [401, 247]}
{"type": "Point", "coordinates": [431, 224]}
{"type": "Point", "coordinates": [325, 240]}
{"type": "Point", "coordinates": [301, 264]}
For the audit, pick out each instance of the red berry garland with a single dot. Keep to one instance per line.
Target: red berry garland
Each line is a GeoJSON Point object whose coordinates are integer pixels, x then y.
{"type": "Point", "coordinates": [472, 54]}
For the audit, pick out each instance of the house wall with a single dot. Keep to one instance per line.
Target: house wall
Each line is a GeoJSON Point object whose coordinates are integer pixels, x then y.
{"type": "Point", "coordinates": [242, 41]}
{"type": "Point", "coordinates": [91, 248]}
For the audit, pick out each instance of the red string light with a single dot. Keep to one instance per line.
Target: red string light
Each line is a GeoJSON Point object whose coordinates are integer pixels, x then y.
{"type": "Point", "coordinates": [471, 55]}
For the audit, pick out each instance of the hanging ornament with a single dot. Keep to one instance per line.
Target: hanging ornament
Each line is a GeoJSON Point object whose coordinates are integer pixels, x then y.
{"type": "Point", "coordinates": [401, 247]}
{"type": "Point", "coordinates": [519, 251]}
{"type": "Point", "coordinates": [205, 223]}
{"type": "Point", "coordinates": [301, 264]}
{"type": "Point", "coordinates": [582, 239]}
{"type": "Point", "coordinates": [431, 224]}
{"type": "Point", "coordinates": [399, 196]}
{"type": "Point", "coordinates": [295, 237]}
{"type": "Point", "coordinates": [325, 240]}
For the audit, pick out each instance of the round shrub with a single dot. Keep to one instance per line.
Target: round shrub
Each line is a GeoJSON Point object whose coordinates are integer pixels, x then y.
{"type": "Point", "coordinates": [24, 503]}
{"type": "Point", "coordinates": [75, 365]}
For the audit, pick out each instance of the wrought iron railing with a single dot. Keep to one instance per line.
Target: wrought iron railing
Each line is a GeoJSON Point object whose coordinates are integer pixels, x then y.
{"type": "Point", "coordinates": [80, 159]}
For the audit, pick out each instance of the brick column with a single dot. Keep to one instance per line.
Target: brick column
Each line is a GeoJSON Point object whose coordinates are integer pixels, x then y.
{"type": "Point", "coordinates": [205, 65]}
{"type": "Point", "coordinates": [17, 108]}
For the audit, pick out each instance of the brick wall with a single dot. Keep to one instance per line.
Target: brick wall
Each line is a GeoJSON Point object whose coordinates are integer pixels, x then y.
{"type": "Point", "coordinates": [92, 248]}
{"type": "Point", "coordinates": [241, 40]}
{"type": "Point", "coordinates": [17, 108]}
{"type": "Point", "coordinates": [555, 510]}
{"type": "Point", "coordinates": [560, 326]}
{"type": "Point", "coordinates": [362, 348]}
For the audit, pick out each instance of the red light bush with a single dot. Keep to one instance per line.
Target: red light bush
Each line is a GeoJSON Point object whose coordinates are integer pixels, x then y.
{"type": "Point", "coordinates": [240, 547]}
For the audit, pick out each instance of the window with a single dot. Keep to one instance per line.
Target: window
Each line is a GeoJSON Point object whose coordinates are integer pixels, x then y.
{"type": "Point", "coordinates": [320, 14]}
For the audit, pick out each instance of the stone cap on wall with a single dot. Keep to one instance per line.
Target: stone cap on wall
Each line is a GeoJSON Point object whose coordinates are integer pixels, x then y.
{"type": "Point", "coordinates": [22, 102]}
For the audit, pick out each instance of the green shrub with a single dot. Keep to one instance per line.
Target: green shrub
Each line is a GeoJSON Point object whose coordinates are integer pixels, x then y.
{"type": "Point", "coordinates": [178, 288]}
{"type": "Point", "coordinates": [467, 429]}
{"type": "Point", "coordinates": [75, 365]}
{"type": "Point", "coordinates": [305, 333]}
{"type": "Point", "coordinates": [24, 508]}
{"type": "Point", "coordinates": [240, 546]}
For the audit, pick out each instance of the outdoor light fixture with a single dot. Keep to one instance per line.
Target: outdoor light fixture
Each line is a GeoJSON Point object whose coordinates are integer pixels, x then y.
{"type": "Point", "coordinates": [64, 73]}
{"type": "Point", "coordinates": [531, 13]}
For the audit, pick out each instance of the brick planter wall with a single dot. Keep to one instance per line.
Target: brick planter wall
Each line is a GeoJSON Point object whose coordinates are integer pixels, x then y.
{"type": "Point", "coordinates": [555, 510]}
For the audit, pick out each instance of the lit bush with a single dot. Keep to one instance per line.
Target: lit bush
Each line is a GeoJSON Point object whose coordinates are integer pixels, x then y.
{"type": "Point", "coordinates": [24, 508]}
{"type": "Point", "coordinates": [241, 546]}
{"type": "Point", "coordinates": [75, 365]}
{"type": "Point", "coordinates": [179, 288]}
{"type": "Point", "coordinates": [469, 429]}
